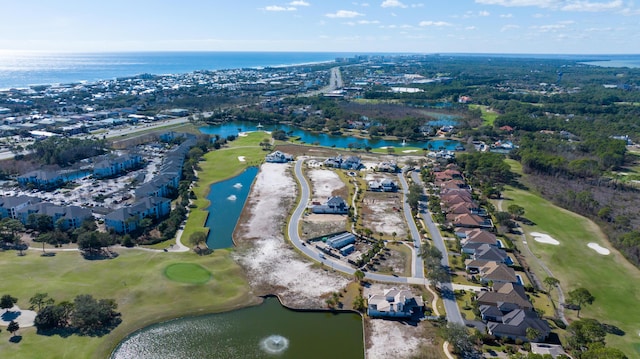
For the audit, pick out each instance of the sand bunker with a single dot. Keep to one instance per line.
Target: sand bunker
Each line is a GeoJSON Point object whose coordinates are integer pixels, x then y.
{"type": "Point", "coordinates": [241, 159]}
{"type": "Point", "coordinates": [409, 151]}
{"type": "Point", "coordinates": [544, 238]}
{"type": "Point", "coordinates": [24, 318]}
{"type": "Point", "coordinates": [598, 248]}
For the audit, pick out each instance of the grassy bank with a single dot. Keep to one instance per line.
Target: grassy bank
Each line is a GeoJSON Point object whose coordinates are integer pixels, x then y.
{"type": "Point", "coordinates": [135, 279]}
{"type": "Point", "coordinates": [488, 115]}
{"type": "Point", "coordinates": [610, 278]}
{"type": "Point", "coordinates": [219, 165]}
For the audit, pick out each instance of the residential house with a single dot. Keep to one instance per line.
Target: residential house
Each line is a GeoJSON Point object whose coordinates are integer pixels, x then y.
{"type": "Point", "coordinates": [349, 163]}
{"type": "Point", "coordinates": [110, 167]}
{"type": "Point", "coordinates": [385, 185]}
{"type": "Point", "coordinates": [387, 166]}
{"type": "Point", "coordinates": [127, 219]}
{"type": "Point", "coordinates": [279, 157]}
{"type": "Point", "coordinates": [470, 221]}
{"type": "Point", "coordinates": [491, 253]}
{"type": "Point", "coordinates": [514, 325]}
{"type": "Point", "coordinates": [498, 273]}
{"type": "Point", "coordinates": [505, 294]}
{"type": "Point", "coordinates": [334, 205]}
{"type": "Point", "coordinates": [395, 303]}
{"type": "Point", "coordinates": [10, 205]}
{"type": "Point", "coordinates": [63, 217]}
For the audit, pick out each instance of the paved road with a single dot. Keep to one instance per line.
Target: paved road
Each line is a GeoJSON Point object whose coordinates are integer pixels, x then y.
{"type": "Point", "coordinates": [417, 263]}
{"type": "Point", "coordinates": [294, 236]}
{"type": "Point", "coordinates": [450, 305]}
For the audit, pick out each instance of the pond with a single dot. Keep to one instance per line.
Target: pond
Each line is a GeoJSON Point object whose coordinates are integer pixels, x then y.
{"type": "Point", "coordinates": [265, 331]}
{"type": "Point", "coordinates": [323, 139]}
{"type": "Point", "coordinates": [227, 200]}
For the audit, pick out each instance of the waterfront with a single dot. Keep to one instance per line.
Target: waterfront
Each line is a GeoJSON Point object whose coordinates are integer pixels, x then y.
{"type": "Point", "coordinates": [227, 199]}
{"type": "Point", "coordinates": [267, 330]}
{"type": "Point", "coordinates": [324, 139]}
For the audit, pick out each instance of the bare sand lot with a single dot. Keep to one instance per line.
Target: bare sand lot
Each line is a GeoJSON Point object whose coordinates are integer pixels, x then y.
{"type": "Point", "coordinates": [382, 213]}
{"type": "Point", "coordinates": [390, 338]}
{"type": "Point", "coordinates": [325, 183]}
{"type": "Point", "coordinates": [272, 266]}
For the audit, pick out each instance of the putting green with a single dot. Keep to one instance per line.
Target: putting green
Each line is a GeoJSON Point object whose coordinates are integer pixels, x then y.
{"type": "Point", "coordinates": [187, 273]}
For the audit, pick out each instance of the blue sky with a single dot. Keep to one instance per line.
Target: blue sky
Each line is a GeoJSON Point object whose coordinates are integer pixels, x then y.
{"type": "Point", "coordinates": [417, 26]}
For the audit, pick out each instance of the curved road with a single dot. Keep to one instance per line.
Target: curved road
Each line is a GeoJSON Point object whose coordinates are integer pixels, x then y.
{"type": "Point", "coordinates": [449, 300]}
{"type": "Point", "coordinates": [294, 235]}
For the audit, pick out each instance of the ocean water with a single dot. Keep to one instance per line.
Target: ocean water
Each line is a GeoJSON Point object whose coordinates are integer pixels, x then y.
{"type": "Point", "coordinates": [21, 69]}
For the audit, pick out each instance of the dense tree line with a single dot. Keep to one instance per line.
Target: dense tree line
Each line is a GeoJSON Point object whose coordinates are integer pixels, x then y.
{"type": "Point", "coordinates": [85, 315]}
{"type": "Point", "coordinates": [64, 151]}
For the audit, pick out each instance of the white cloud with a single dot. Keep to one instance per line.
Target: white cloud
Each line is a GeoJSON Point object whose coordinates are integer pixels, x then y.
{"type": "Point", "coordinates": [434, 23]}
{"type": "Point", "coordinates": [362, 22]}
{"type": "Point", "coordinates": [344, 14]}
{"type": "Point", "coordinates": [393, 3]}
{"type": "Point", "coordinates": [506, 16]}
{"type": "Point", "coordinates": [279, 8]}
{"type": "Point", "coordinates": [506, 28]}
{"type": "Point", "coordinates": [484, 13]}
{"type": "Point", "coordinates": [470, 28]}
{"type": "Point", "coordinates": [592, 6]}
{"type": "Point", "coordinates": [564, 5]}
{"type": "Point", "coordinates": [299, 3]}
{"type": "Point", "coordinates": [417, 5]}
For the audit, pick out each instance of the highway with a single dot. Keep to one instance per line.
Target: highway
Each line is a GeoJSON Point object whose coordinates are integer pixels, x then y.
{"type": "Point", "coordinates": [446, 289]}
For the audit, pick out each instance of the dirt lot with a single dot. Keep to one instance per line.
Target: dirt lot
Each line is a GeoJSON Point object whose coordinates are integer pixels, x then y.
{"type": "Point", "coordinates": [382, 211]}
{"type": "Point", "coordinates": [272, 266]}
{"type": "Point", "coordinates": [383, 334]}
{"type": "Point", "coordinates": [324, 184]}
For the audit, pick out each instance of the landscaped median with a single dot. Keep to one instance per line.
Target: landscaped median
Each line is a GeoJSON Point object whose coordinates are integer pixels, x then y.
{"type": "Point", "coordinates": [219, 165]}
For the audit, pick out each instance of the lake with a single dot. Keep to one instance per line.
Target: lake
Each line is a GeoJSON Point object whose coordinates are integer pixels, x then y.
{"type": "Point", "coordinates": [323, 139]}
{"type": "Point", "coordinates": [265, 331]}
{"type": "Point", "coordinates": [227, 200]}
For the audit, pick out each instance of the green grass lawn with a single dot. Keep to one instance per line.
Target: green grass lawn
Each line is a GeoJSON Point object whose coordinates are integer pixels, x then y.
{"type": "Point", "coordinates": [611, 279]}
{"type": "Point", "coordinates": [187, 273]}
{"type": "Point", "coordinates": [219, 165]}
{"type": "Point", "coordinates": [135, 279]}
{"type": "Point", "coordinates": [488, 116]}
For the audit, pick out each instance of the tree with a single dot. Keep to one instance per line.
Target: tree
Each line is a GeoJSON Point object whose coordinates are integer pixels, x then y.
{"type": "Point", "coordinates": [7, 301]}
{"type": "Point", "coordinates": [437, 275]}
{"type": "Point", "coordinates": [579, 297]}
{"type": "Point", "coordinates": [459, 337]}
{"type": "Point", "coordinates": [52, 317]}
{"type": "Point", "coordinates": [585, 332]}
{"type": "Point", "coordinates": [359, 275]}
{"type": "Point", "coordinates": [90, 315]}
{"type": "Point", "coordinates": [515, 211]}
{"type": "Point", "coordinates": [40, 300]}
{"type": "Point", "coordinates": [532, 334]}
{"type": "Point", "coordinates": [359, 303]}
{"type": "Point", "coordinates": [551, 283]}
{"type": "Point", "coordinates": [13, 327]}
{"type": "Point", "coordinates": [196, 239]}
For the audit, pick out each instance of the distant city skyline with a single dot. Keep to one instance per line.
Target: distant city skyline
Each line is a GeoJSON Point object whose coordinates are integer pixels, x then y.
{"type": "Point", "coordinates": [414, 26]}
